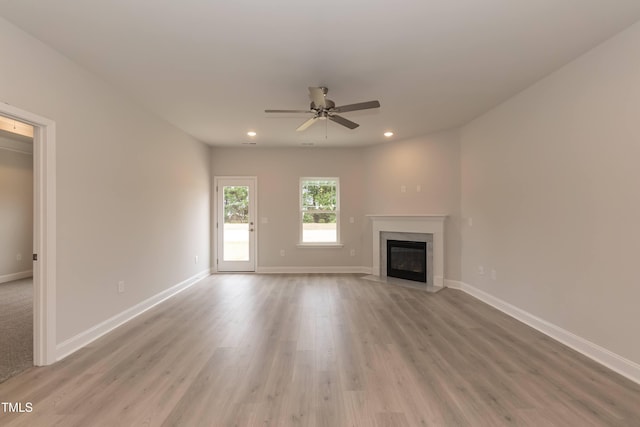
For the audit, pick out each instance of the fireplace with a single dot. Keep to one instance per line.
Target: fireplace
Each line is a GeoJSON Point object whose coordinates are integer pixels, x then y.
{"type": "Point", "coordinates": [410, 228]}
{"type": "Point", "coordinates": [407, 260]}
{"type": "Point", "coordinates": [407, 256]}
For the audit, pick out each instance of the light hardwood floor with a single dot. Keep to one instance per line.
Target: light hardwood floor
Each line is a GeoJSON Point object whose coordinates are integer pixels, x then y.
{"type": "Point", "coordinates": [322, 350]}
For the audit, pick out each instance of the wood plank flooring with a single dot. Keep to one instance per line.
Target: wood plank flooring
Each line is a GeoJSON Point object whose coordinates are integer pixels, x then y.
{"type": "Point", "coordinates": [322, 350]}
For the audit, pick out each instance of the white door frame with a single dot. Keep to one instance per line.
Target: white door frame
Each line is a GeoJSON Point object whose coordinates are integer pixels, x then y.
{"type": "Point", "coordinates": [44, 232]}
{"type": "Point", "coordinates": [217, 220]}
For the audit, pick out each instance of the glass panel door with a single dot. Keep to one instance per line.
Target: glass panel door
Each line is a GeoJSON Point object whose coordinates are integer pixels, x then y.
{"type": "Point", "coordinates": [236, 224]}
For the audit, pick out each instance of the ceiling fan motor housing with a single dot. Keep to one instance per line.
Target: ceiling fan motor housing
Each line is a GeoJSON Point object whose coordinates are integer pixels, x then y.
{"type": "Point", "coordinates": [329, 104]}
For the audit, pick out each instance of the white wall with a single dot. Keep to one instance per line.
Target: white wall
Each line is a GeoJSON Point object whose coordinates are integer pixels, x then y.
{"type": "Point", "coordinates": [16, 212]}
{"type": "Point", "coordinates": [279, 171]}
{"type": "Point", "coordinates": [370, 181]}
{"type": "Point", "coordinates": [133, 192]}
{"type": "Point", "coordinates": [431, 162]}
{"type": "Point", "coordinates": [551, 180]}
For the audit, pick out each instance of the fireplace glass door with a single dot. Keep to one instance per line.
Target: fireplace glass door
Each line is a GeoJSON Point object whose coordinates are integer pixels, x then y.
{"type": "Point", "coordinates": [407, 260]}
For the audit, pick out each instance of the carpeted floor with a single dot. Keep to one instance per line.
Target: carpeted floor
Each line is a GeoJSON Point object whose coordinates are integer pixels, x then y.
{"type": "Point", "coordinates": [16, 327]}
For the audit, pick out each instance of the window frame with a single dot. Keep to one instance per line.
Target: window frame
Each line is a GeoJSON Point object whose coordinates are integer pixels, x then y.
{"type": "Point", "coordinates": [301, 213]}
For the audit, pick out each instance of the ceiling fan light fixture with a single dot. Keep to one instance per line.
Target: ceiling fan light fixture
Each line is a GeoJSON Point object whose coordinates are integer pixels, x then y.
{"type": "Point", "coordinates": [388, 134]}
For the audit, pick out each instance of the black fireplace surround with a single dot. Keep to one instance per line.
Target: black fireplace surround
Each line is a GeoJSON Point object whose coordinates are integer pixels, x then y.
{"type": "Point", "coordinates": [407, 260]}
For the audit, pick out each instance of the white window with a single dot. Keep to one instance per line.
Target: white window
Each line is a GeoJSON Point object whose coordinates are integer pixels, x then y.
{"type": "Point", "coordinates": [319, 210]}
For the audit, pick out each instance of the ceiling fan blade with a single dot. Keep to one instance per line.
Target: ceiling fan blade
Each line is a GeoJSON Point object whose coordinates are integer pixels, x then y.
{"type": "Point", "coordinates": [317, 96]}
{"type": "Point", "coordinates": [288, 111]}
{"type": "Point", "coordinates": [306, 124]}
{"type": "Point", "coordinates": [342, 121]}
{"type": "Point", "coordinates": [358, 106]}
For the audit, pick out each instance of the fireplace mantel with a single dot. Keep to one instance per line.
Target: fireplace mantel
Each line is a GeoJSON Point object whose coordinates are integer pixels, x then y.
{"type": "Point", "coordinates": [429, 224]}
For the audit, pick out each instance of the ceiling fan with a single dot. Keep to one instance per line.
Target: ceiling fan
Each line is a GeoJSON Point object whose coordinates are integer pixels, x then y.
{"type": "Point", "coordinates": [323, 108]}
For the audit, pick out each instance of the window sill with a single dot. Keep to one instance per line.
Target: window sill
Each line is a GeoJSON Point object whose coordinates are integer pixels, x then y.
{"type": "Point", "coordinates": [320, 245]}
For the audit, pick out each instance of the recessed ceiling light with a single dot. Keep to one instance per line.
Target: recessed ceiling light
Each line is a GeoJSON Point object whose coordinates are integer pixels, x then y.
{"type": "Point", "coordinates": [251, 133]}
{"type": "Point", "coordinates": [388, 134]}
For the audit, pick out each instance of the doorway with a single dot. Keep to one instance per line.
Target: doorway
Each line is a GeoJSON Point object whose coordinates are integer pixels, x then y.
{"type": "Point", "coordinates": [236, 199]}
{"type": "Point", "coordinates": [44, 232]}
{"type": "Point", "coordinates": [16, 247]}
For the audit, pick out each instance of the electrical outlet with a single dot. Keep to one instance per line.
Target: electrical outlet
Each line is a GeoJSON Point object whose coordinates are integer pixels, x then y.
{"type": "Point", "coordinates": [195, 259]}
{"type": "Point", "coordinates": [481, 270]}
{"type": "Point", "coordinates": [281, 252]}
{"type": "Point", "coordinates": [403, 188]}
{"type": "Point", "coordinates": [18, 257]}
{"type": "Point", "coordinates": [264, 220]}
{"type": "Point", "coordinates": [121, 286]}
{"type": "Point", "coordinates": [352, 252]}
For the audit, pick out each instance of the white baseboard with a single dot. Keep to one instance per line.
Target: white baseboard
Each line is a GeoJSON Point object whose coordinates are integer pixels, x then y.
{"type": "Point", "coordinates": [619, 364]}
{"type": "Point", "coordinates": [76, 342]}
{"type": "Point", "coordinates": [453, 284]}
{"type": "Point", "coordinates": [16, 276]}
{"type": "Point", "coordinates": [312, 270]}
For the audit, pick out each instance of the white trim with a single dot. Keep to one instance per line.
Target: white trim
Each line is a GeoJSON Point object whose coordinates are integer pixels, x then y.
{"type": "Point", "coordinates": [319, 245]}
{"type": "Point", "coordinates": [15, 150]}
{"type": "Point", "coordinates": [16, 276]}
{"type": "Point", "coordinates": [19, 144]}
{"type": "Point", "coordinates": [408, 217]}
{"type": "Point", "coordinates": [453, 284]}
{"type": "Point", "coordinates": [314, 270]}
{"type": "Point", "coordinates": [619, 364]}
{"type": "Point", "coordinates": [44, 232]}
{"type": "Point", "coordinates": [82, 339]}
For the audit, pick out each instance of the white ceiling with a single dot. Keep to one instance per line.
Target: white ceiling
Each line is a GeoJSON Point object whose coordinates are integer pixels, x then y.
{"type": "Point", "coordinates": [212, 67]}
